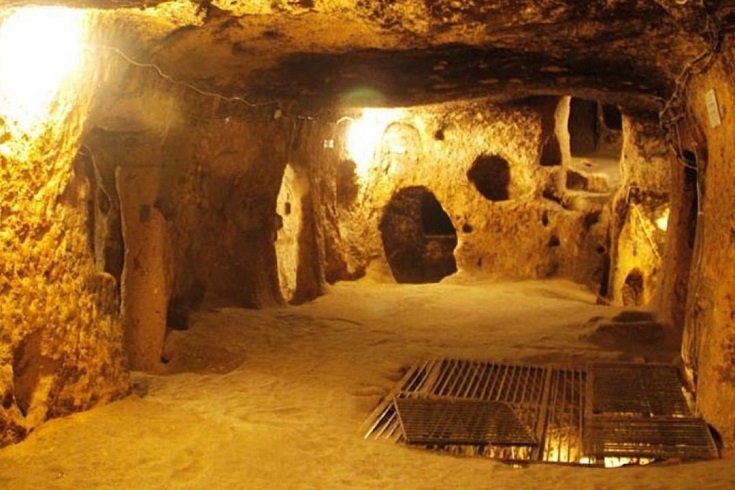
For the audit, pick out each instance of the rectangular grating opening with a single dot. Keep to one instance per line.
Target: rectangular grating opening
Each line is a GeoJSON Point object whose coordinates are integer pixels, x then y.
{"type": "Point", "coordinates": [647, 390]}
{"type": "Point", "coordinates": [657, 438]}
{"type": "Point", "coordinates": [461, 422]}
{"type": "Point", "coordinates": [628, 412]}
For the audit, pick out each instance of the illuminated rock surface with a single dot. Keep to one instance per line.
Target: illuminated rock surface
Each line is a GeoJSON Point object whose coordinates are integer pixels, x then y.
{"type": "Point", "coordinates": [203, 159]}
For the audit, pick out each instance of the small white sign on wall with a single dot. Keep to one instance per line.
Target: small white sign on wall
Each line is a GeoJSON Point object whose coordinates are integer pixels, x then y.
{"type": "Point", "coordinates": [713, 110]}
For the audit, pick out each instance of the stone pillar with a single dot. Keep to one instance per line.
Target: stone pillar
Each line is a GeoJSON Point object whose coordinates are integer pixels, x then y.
{"type": "Point", "coordinates": [145, 280]}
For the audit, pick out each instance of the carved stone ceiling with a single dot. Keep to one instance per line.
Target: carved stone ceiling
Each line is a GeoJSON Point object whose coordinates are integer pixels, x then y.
{"type": "Point", "coordinates": [318, 53]}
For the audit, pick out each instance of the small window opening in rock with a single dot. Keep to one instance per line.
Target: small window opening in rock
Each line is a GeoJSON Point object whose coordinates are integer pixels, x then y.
{"type": "Point", "coordinates": [439, 135]}
{"type": "Point", "coordinates": [287, 208]}
{"type": "Point", "coordinates": [612, 117]}
{"type": "Point", "coordinates": [576, 181]}
{"type": "Point", "coordinates": [418, 237]}
{"type": "Point", "coordinates": [583, 127]}
{"type": "Point", "coordinates": [490, 175]}
{"type": "Point", "coordinates": [550, 152]}
{"type": "Point", "coordinates": [545, 218]}
{"type": "Point", "coordinates": [554, 241]}
{"type": "Point", "coordinates": [552, 194]}
{"type": "Point", "coordinates": [601, 250]}
{"type": "Point", "coordinates": [595, 146]}
{"type": "Point", "coordinates": [690, 158]}
{"type": "Point", "coordinates": [633, 288]}
{"type": "Point", "coordinates": [591, 219]}
{"type": "Point", "coordinates": [467, 228]}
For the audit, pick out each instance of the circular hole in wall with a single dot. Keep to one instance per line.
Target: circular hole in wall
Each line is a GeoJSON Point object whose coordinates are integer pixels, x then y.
{"type": "Point", "coordinates": [490, 175]}
{"type": "Point", "coordinates": [418, 237]}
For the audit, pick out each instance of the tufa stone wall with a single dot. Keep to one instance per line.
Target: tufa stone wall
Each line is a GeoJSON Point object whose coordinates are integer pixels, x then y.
{"type": "Point", "coordinates": [708, 347]}
{"type": "Point", "coordinates": [60, 338]}
{"type": "Point", "coordinates": [512, 215]}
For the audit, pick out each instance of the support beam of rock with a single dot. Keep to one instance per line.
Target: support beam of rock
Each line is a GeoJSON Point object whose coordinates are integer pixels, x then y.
{"type": "Point", "coordinates": [145, 281]}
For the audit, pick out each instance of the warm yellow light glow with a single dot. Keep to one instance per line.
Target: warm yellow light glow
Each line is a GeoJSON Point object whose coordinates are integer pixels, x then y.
{"type": "Point", "coordinates": [365, 134]}
{"type": "Point", "coordinates": [39, 48]}
{"type": "Point", "coordinates": [662, 222]}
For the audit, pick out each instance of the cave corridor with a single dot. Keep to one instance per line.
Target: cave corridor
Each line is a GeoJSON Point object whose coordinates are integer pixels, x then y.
{"type": "Point", "coordinates": [227, 227]}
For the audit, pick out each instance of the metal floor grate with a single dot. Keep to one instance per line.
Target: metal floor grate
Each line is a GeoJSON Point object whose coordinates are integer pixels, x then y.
{"type": "Point", "coordinates": [460, 422]}
{"type": "Point", "coordinates": [551, 414]}
{"type": "Point", "coordinates": [641, 411]}
{"type": "Point", "coordinates": [647, 390]}
{"type": "Point", "coordinates": [657, 438]}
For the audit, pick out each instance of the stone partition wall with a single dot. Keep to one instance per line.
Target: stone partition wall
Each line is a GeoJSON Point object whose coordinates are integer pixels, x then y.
{"type": "Point", "coordinates": [709, 331]}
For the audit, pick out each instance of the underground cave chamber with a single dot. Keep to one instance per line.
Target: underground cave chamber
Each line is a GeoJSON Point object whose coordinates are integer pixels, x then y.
{"type": "Point", "coordinates": [155, 199]}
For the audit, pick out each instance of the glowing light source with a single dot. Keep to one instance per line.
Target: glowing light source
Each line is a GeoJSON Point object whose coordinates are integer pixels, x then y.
{"type": "Point", "coordinates": [39, 48]}
{"type": "Point", "coordinates": [364, 136]}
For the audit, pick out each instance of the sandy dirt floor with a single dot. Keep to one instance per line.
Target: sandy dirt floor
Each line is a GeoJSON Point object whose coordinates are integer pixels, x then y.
{"type": "Point", "coordinates": [276, 398]}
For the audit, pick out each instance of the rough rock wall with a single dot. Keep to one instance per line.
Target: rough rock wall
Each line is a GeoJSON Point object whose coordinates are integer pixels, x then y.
{"type": "Point", "coordinates": [220, 183]}
{"type": "Point", "coordinates": [60, 339]}
{"type": "Point", "coordinates": [512, 216]}
{"type": "Point", "coordinates": [637, 241]}
{"type": "Point", "coordinates": [709, 336]}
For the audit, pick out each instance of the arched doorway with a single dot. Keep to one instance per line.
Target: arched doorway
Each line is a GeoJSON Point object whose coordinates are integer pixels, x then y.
{"type": "Point", "coordinates": [418, 237]}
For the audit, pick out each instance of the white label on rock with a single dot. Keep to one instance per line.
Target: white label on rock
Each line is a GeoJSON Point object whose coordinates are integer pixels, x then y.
{"type": "Point", "coordinates": [713, 111]}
